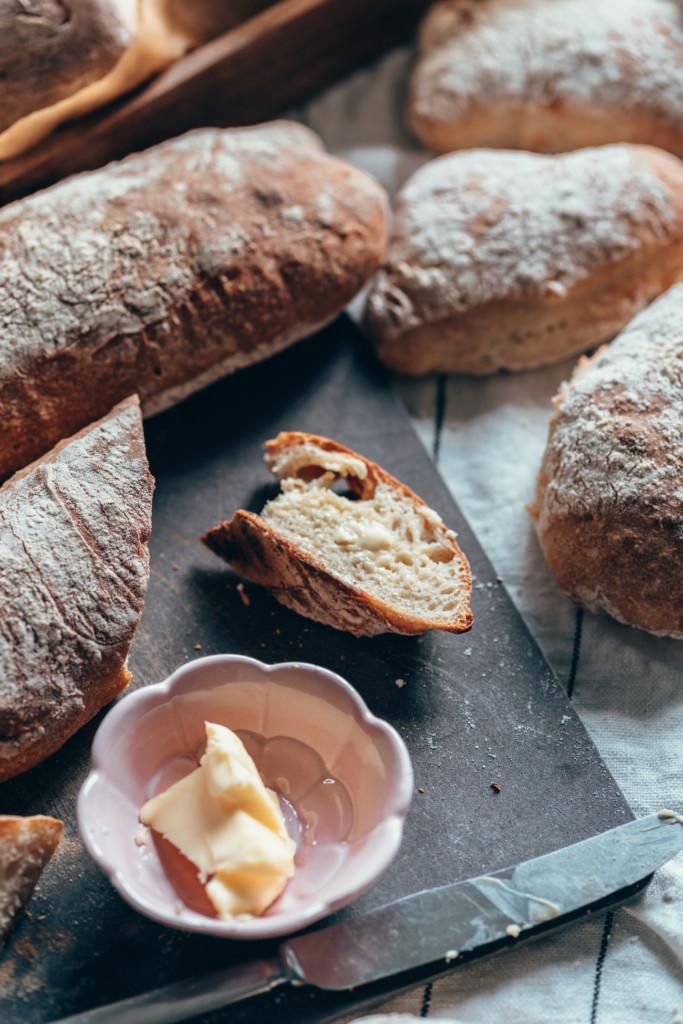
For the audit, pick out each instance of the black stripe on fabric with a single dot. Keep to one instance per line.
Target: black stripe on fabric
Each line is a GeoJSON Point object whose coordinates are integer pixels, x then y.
{"type": "Point", "coordinates": [426, 1000]}
{"type": "Point", "coordinates": [576, 652]}
{"type": "Point", "coordinates": [599, 964]}
{"type": "Point", "coordinates": [439, 414]}
{"type": "Point", "coordinates": [439, 417]}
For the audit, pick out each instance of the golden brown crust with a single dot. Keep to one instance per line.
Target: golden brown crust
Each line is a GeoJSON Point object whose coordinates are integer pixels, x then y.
{"type": "Point", "coordinates": [73, 573]}
{"type": "Point", "coordinates": [21, 753]}
{"type": "Point", "coordinates": [171, 268]}
{"type": "Point", "coordinates": [509, 260]}
{"type": "Point", "coordinates": [26, 845]}
{"type": "Point", "coordinates": [526, 74]}
{"type": "Point", "coordinates": [301, 582]}
{"type": "Point", "coordinates": [609, 507]}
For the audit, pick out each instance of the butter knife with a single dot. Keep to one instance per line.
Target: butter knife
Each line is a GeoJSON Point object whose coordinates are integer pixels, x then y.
{"type": "Point", "coordinates": [425, 934]}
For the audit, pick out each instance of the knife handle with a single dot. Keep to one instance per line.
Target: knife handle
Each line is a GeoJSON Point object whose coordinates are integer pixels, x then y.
{"type": "Point", "coordinates": [188, 998]}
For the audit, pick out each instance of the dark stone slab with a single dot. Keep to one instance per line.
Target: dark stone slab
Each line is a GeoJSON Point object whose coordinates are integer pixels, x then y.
{"type": "Point", "coordinates": [477, 708]}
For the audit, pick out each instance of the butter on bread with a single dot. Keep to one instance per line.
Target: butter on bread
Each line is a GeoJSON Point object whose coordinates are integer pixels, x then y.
{"type": "Point", "coordinates": [378, 561]}
{"type": "Point", "coordinates": [26, 845]}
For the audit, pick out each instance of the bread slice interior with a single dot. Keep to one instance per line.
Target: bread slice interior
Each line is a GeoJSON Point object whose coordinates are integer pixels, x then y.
{"type": "Point", "coordinates": [361, 533]}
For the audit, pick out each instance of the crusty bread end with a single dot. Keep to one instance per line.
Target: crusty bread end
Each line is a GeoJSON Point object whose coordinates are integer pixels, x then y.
{"type": "Point", "coordinates": [26, 845]}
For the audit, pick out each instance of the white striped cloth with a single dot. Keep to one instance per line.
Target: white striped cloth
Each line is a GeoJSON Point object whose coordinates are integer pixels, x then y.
{"type": "Point", "coordinates": [488, 435]}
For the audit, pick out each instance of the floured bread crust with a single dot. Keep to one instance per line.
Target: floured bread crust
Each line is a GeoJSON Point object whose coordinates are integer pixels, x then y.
{"type": "Point", "coordinates": [549, 76]}
{"type": "Point", "coordinates": [49, 49]}
{"type": "Point", "coordinates": [26, 845]}
{"type": "Point", "coordinates": [383, 563]}
{"type": "Point", "coordinates": [73, 573]}
{"type": "Point", "coordinates": [609, 500]}
{"type": "Point", "coordinates": [509, 260]}
{"type": "Point", "coordinates": [175, 266]}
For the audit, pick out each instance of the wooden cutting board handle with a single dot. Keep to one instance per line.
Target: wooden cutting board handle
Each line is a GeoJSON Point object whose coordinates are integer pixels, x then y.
{"type": "Point", "coordinates": [259, 70]}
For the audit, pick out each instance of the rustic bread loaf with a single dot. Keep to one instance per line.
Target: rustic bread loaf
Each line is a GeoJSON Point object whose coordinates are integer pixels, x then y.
{"type": "Point", "coordinates": [26, 845]}
{"type": "Point", "coordinates": [382, 563]}
{"type": "Point", "coordinates": [609, 500]}
{"type": "Point", "coordinates": [49, 49]}
{"type": "Point", "coordinates": [507, 260]}
{"type": "Point", "coordinates": [166, 271]}
{"type": "Point", "coordinates": [528, 74]}
{"type": "Point", "coordinates": [73, 572]}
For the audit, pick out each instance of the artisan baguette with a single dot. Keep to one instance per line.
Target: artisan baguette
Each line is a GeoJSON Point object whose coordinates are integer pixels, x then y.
{"type": "Point", "coordinates": [163, 272]}
{"type": "Point", "coordinates": [508, 260]}
{"type": "Point", "coordinates": [609, 503]}
{"type": "Point", "coordinates": [549, 76]}
{"type": "Point", "coordinates": [50, 50]}
{"type": "Point", "coordinates": [384, 563]}
{"type": "Point", "coordinates": [73, 572]}
{"type": "Point", "coordinates": [26, 845]}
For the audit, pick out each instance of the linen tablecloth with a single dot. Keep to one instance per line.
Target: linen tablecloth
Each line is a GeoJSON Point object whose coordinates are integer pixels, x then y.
{"type": "Point", "coordinates": [487, 437]}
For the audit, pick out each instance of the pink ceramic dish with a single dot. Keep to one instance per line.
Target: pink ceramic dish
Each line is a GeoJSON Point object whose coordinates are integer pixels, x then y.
{"type": "Point", "coordinates": [344, 778]}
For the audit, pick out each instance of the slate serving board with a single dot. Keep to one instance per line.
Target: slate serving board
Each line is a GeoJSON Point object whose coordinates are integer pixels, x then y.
{"type": "Point", "coordinates": [476, 708]}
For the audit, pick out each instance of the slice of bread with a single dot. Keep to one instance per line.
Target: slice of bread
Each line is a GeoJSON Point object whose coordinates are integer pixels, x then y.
{"type": "Point", "coordinates": [373, 560]}
{"type": "Point", "coordinates": [26, 845]}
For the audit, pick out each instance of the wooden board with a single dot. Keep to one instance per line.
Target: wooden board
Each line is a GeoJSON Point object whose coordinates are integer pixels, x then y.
{"type": "Point", "coordinates": [480, 707]}
{"type": "Point", "coordinates": [259, 70]}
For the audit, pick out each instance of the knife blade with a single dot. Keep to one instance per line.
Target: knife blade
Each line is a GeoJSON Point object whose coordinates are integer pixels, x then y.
{"type": "Point", "coordinates": [436, 927]}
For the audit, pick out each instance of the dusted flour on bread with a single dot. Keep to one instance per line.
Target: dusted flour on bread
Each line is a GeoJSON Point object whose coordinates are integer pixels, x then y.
{"type": "Point", "coordinates": [163, 272]}
{"type": "Point", "coordinates": [609, 503]}
{"type": "Point", "coordinates": [73, 573]}
{"type": "Point", "coordinates": [504, 259]}
{"type": "Point", "coordinates": [492, 71]}
{"type": "Point", "coordinates": [484, 225]}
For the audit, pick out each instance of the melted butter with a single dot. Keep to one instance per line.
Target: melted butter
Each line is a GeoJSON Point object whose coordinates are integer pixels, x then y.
{"type": "Point", "coordinates": [229, 825]}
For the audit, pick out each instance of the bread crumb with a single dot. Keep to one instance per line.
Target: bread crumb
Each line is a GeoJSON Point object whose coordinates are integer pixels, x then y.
{"type": "Point", "coordinates": [244, 596]}
{"type": "Point", "coordinates": [451, 955]}
{"type": "Point", "coordinates": [198, 647]}
{"type": "Point", "coordinates": [495, 786]}
{"type": "Point", "coordinates": [140, 839]}
{"type": "Point", "coordinates": [513, 930]}
{"type": "Point", "coordinates": [400, 683]}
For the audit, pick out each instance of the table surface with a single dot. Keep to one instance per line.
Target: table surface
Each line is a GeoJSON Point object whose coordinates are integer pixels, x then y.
{"type": "Point", "coordinates": [475, 708]}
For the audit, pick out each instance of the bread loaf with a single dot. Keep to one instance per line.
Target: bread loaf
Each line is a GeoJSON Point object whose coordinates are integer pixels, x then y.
{"type": "Point", "coordinates": [163, 272]}
{"type": "Point", "coordinates": [49, 49]}
{"type": "Point", "coordinates": [507, 260]}
{"type": "Point", "coordinates": [26, 845]}
{"type": "Point", "coordinates": [383, 563]}
{"type": "Point", "coordinates": [609, 501]}
{"type": "Point", "coordinates": [549, 76]}
{"type": "Point", "coordinates": [73, 573]}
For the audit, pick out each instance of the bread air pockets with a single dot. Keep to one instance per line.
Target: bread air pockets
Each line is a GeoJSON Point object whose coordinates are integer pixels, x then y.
{"type": "Point", "coordinates": [373, 559]}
